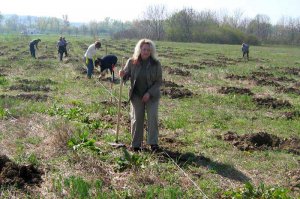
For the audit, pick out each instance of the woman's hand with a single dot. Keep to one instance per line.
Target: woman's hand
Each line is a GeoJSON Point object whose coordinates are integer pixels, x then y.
{"type": "Point", "coordinates": [146, 98]}
{"type": "Point", "coordinates": [121, 73]}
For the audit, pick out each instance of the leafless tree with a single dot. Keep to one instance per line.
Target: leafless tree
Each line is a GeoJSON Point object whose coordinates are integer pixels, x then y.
{"type": "Point", "coordinates": [152, 23]}
{"type": "Point", "coordinates": [66, 23]}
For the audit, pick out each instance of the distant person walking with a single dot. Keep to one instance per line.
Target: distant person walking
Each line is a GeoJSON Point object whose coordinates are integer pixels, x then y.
{"type": "Point", "coordinates": [245, 50]}
{"type": "Point", "coordinates": [61, 46]}
{"type": "Point", "coordinates": [90, 57]}
{"type": "Point", "coordinates": [145, 74]}
{"type": "Point", "coordinates": [32, 46]}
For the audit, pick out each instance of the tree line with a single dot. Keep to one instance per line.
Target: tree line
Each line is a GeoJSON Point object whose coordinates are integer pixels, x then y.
{"type": "Point", "coordinates": [185, 25]}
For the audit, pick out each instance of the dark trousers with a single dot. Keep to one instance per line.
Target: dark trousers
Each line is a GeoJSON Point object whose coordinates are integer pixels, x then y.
{"type": "Point", "coordinates": [32, 51]}
{"type": "Point", "coordinates": [66, 52]}
{"type": "Point", "coordinates": [246, 53]}
{"type": "Point", "coordinates": [61, 50]}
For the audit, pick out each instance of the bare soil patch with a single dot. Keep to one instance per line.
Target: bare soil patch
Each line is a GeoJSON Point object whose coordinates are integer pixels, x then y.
{"type": "Point", "coordinates": [38, 82]}
{"type": "Point", "coordinates": [188, 66]}
{"type": "Point", "coordinates": [291, 115]}
{"type": "Point", "coordinates": [29, 88]}
{"type": "Point", "coordinates": [292, 70]}
{"type": "Point", "coordinates": [177, 71]}
{"type": "Point", "coordinates": [270, 102]}
{"type": "Point", "coordinates": [174, 93]}
{"type": "Point", "coordinates": [265, 82]}
{"type": "Point", "coordinates": [235, 90]}
{"type": "Point", "coordinates": [236, 77]}
{"type": "Point", "coordinates": [212, 63]}
{"type": "Point", "coordinates": [170, 84]}
{"type": "Point", "coordinates": [34, 97]}
{"type": "Point", "coordinates": [18, 175]}
{"type": "Point", "coordinates": [288, 90]}
{"type": "Point", "coordinates": [262, 141]}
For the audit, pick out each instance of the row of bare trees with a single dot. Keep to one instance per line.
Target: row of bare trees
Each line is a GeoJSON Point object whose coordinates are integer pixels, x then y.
{"type": "Point", "coordinates": [186, 25]}
{"type": "Point", "coordinates": [189, 25]}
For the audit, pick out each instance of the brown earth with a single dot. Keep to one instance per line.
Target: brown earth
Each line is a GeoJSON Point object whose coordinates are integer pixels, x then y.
{"type": "Point", "coordinates": [29, 88]}
{"type": "Point", "coordinates": [291, 115]}
{"type": "Point", "coordinates": [35, 97]}
{"type": "Point", "coordinates": [18, 175]}
{"type": "Point", "coordinates": [235, 90]}
{"type": "Point", "coordinates": [170, 84]}
{"type": "Point", "coordinates": [270, 102]}
{"type": "Point", "coordinates": [262, 141]}
{"type": "Point", "coordinates": [188, 66]}
{"type": "Point", "coordinates": [289, 90]}
{"type": "Point", "coordinates": [236, 77]}
{"type": "Point", "coordinates": [177, 71]}
{"type": "Point", "coordinates": [176, 92]}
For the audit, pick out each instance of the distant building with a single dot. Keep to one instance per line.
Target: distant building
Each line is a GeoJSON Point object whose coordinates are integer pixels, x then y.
{"type": "Point", "coordinates": [30, 31]}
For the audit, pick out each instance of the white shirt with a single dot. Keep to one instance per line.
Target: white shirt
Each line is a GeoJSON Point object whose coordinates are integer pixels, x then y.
{"type": "Point", "coordinates": [91, 51]}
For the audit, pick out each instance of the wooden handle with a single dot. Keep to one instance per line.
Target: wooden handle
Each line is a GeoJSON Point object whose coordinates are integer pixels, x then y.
{"type": "Point", "coordinates": [119, 104]}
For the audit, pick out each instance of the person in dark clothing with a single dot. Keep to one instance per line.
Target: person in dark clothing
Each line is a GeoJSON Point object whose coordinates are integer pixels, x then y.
{"type": "Point", "coordinates": [61, 48]}
{"type": "Point", "coordinates": [245, 50]}
{"type": "Point", "coordinates": [33, 45]}
{"type": "Point", "coordinates": [107, 62]}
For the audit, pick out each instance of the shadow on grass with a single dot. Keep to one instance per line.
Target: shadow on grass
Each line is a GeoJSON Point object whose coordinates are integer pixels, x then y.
{"type": "Point", "coordinates": [184, 159]}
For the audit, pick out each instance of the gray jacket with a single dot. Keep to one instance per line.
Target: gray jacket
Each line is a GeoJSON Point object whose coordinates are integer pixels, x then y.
{"type": "Point", "coordinates": [154, 77]}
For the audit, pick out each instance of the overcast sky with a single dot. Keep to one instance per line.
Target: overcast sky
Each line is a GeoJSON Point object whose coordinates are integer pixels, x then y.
{"type": "Point", "coordinates": [127, 10]}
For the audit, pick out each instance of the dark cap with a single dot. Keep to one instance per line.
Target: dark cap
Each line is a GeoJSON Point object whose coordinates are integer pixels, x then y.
{"type": "Point", "coordinates": [98, 44]}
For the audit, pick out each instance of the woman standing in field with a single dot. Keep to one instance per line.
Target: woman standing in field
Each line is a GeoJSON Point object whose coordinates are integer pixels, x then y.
{"type": "Point", "coordinates": [145, 74]}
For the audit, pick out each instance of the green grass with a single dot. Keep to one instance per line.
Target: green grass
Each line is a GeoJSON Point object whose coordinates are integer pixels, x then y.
{"type": "Point", "coordinates": [38, 132]}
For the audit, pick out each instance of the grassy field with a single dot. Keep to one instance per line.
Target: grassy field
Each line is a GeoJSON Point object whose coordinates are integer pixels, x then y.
{"type": "Point", "coordinates": [228, 127]}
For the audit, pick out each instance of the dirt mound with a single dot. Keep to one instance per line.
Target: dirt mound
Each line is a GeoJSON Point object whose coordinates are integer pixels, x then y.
{"type": "Point", "coordinates": [292, 71]}
{"type": "Point", "coordinates": [176, 92]}
{"type": "Point", "coordinates": [35, 97]}
{"type": "Point", "coordinates": [262, 74]}
{"type": "Point", "coordinates": [235, 90]}
{"type": "Point", "coordinates": [266, 82]}
{"type": "Point", "coordinates": [262, 141]}
{"type": "Point", "coordinates": [29, 88]}
{"type": "Point", "coordinates": [177, 71]}
{"type": "Point", "coordinates": [272, 102]}
{"type": "Point", "coordinates": [19, 175]}
{"type": "Point", "coordinates": [291, 145]}
{"type": "Point", "coordinates": [212, 63]}
{"type": "Point", "coordinates": [236, 77]}
{"type": "Point", "coordinates": [291, 115]}
{"type": "Point", "coordinates": [188, 66]}
{"type": "Point", "coordinates": [170, 84]}
{"type": "Point", "coordinates": [289, 90]}
{"type": "Point", "coordinates": [37, 82]}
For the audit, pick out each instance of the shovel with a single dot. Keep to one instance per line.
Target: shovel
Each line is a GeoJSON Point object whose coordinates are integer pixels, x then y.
{"type": "Point", "coordinates": [117, 144]}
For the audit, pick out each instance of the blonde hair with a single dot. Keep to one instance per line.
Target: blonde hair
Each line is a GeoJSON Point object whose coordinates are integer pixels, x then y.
{"type": "Point", "coordinates": [137, 49]}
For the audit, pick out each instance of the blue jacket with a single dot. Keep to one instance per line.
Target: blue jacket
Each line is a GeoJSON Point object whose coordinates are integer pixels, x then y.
{"type": "Point", "coordinates": [245, 47]}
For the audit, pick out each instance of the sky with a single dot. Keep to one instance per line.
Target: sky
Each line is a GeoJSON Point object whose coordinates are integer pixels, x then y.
{"type": "Point", "coordinates": [128, 10]}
